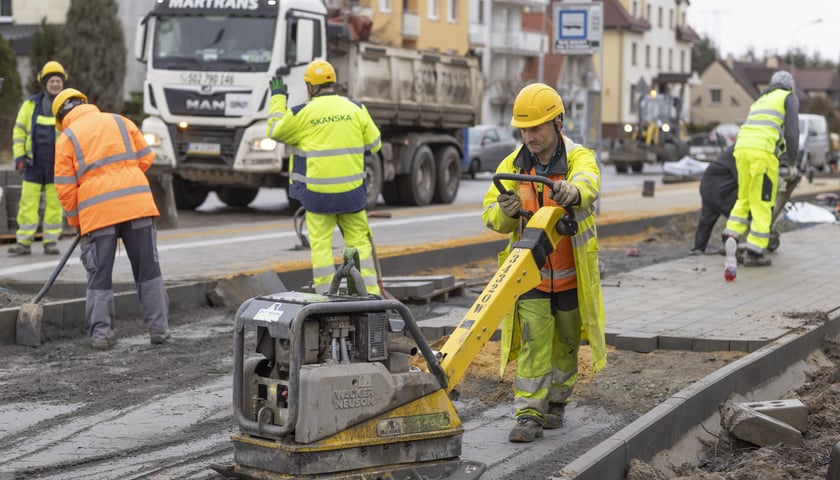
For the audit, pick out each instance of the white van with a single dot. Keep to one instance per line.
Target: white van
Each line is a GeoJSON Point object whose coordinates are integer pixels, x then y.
{"type": "Point", "coordinates": [814, 145]}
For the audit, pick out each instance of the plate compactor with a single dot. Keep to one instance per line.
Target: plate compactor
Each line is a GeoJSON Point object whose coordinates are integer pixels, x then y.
{"type": "Point", "coordinates": [329, 393]}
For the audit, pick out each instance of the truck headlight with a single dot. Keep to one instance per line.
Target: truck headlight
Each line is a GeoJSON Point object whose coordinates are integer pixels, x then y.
{"type": "Point", "coordinates": [666, 127]}
{"type": "Point", "coordinates": [628, 128]}
{"type": "Point", "coordinates": [264, 145]}
{"type": "Point", "coordinates": [153, 139]}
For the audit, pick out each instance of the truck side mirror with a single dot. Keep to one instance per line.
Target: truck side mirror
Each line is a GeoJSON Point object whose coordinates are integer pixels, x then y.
{"type": "Point", "coordinates": [283, 71]}
{"type": "Point", "coordinates": [140, 39]}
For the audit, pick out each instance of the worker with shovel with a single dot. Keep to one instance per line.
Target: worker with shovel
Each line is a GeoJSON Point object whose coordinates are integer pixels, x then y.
{"type": "Point", "coordinates": [100, 164]}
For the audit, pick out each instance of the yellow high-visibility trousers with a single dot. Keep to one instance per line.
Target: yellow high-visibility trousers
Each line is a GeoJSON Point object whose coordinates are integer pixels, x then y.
{"type": "Point", "coordinates": [356, 233]}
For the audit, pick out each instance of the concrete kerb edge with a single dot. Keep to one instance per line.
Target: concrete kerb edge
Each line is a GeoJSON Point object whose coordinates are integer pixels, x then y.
{"type": "Point", "coordinates": [649, 435]}
{"type": "Point", "coordinates": [182, 296]}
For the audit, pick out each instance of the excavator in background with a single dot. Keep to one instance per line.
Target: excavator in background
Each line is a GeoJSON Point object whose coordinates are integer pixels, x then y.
{"type": "Point", "coordinates": [328, 391]}
{"type": "Point", "coordinates": [660, 135]}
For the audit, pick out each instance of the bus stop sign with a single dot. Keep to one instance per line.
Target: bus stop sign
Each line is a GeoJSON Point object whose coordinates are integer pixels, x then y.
{"type": "Point", "coordinates": [579, 28]}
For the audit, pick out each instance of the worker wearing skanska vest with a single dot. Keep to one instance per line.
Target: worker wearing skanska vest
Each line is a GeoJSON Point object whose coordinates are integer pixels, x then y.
{"type": "Point", "coordinates": [772, 128]}
{"type": "Point", "coordinates": [329, 136]}
{"type": "Point", "coordinates": [547, 324]}
{"type": "Point", "coordinates": [100, 164]}
{"type": "Point", "coordinates": [33, 138]}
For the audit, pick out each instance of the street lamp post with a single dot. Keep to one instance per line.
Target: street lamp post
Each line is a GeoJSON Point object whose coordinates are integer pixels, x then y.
{"type": "Point", "coordinates": [793, 38]}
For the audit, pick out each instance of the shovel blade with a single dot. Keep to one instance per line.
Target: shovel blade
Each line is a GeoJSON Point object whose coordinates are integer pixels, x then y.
{"type": "Point", "coordinates": [28, 328]}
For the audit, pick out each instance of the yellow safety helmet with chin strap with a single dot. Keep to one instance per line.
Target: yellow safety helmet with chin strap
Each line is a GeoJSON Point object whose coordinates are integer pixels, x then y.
{"type": "Point", "coordinates": [319, 72]}
{"type": "Point", "coordinates": [536, 104]}
{"type": "Point", "coordinates": [52, 68]}
{"type": "Point", "coordinates": [62, 103]}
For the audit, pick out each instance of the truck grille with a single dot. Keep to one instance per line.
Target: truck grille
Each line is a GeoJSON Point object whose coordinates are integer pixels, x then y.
{"type": "Point", "coordinates": [227, 139]}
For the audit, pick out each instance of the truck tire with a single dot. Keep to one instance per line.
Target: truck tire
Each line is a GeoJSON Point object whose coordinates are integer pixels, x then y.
{"type": "Point", "coordinates": [620, 168]}
{"type": "Point", "coordinates": [237, 197]}
{"type": "Point", "coordinates": [418, 186]}
{"type": "Point", "coordinates": [188, 195]}
{"type": "Point", "coordinates": [448, 176]}
{"type": "Point", "coordinates": [373, 179]}
{"type": "Point", "coordinates": [637, 167]}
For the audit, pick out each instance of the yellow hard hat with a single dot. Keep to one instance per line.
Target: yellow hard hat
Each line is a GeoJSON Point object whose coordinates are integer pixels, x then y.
{"type": "Point", "coordinates": [50, 68]}
{"type": "Point", "coordinates": [319, 72]}
{"type": "Point", "coordinates": [62, 97]}
{"type": "Point", "coordinates": [536, 104]}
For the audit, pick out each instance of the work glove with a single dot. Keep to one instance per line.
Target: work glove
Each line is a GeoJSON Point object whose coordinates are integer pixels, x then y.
{"type": "Point", "coordinates": [509, 203]}
{"type": "Point", "coordinates": [21, 163]}
{"type": "Point", "coordinates": [277, 86]}
{"type": "Point", "coordinates": [564, 193]}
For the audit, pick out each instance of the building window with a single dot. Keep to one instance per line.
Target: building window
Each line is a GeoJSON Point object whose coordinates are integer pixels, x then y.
{"type": "Point", "coordinates": [659, 19]}
{"type": "Point", "coordinates": [670, 59]}
{"type": "Point", "coordinates": [481, 14]}
{"type": "Point", "coordinates": [5, 8]}
{"type": "Point", "coordinates": [633, 54]}
{"type": "Point", "coordinates": [433, 9]}
{"type": "Point", "coordinates": [635, 9]}
{"type": "Point", "coordinates": [647, 56]}
{"type": "Point", "coordinates": [658, 57]}
{"type": "Point", "coordinates": [452, 10]}
{"type": "Point", "coordinates": [682, 60]}
{"type": "Point", "coordinates": [385, 6]}
{"type": "Point", "coordinates": [647, 13]}
{"type": "Point", "coordinates": [715, 95]}
{"type": "Point", "coordinates": [671, 19]}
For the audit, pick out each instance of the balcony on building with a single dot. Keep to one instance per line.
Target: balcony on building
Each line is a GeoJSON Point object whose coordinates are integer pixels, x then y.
{"type": "Point", "coordinates": [518, 43]}
{"type": "Point", "coordinates": [534, 5]}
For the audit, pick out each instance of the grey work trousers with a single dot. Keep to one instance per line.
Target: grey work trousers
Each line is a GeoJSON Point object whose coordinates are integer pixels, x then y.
{"type": "Point", "coordinates": [99, 249]}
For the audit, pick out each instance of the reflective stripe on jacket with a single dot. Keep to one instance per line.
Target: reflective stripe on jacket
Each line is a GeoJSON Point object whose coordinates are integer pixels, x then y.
{"type": "Point", "coordinates": [763, 128]}
{"type": "Point", "coordinates": [100, 160]}
{"type": "Point", "coordinates": [329, 136]}
{"type": "Point", "coordinates": [584, 174]}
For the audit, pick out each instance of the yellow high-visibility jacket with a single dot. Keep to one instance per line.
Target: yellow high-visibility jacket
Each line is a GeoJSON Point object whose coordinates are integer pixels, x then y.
{"type": "Point", "coordinates": [584, 174]}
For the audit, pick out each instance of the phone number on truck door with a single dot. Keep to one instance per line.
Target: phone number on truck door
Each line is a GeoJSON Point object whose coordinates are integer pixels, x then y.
{"type": "Point", "coordinates": [205, 78]}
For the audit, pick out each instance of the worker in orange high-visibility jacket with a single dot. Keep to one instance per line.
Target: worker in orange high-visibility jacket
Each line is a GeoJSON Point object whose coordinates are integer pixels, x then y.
{"type": "Point", "coordinates": [329, 136]}
{"type": "Point", "coordinates": [100, 164]}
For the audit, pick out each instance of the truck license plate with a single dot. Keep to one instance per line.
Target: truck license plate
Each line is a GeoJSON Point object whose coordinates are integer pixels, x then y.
{"type": "Point", "coordinates": [203, 148]}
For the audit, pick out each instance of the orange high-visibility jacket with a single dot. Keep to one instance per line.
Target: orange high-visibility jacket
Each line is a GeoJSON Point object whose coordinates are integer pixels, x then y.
{"type": "Point", "coordinates": [100, 164]}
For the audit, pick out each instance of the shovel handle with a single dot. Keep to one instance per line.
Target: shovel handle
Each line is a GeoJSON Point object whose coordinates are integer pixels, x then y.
{"type": "Point", "coordinates": [57, 270]}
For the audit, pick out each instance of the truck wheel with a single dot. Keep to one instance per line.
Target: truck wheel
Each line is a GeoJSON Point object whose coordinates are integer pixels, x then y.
{"type": "Point", "coordinates": [373, 179]}
{"type": "Point", "coordinates": [620, 168]}
{"type": "Point", "coordinates": [418, 186]}
{"type": "Point", "coordinates": [237, 197]}
{"type": "Point", "coordinates": [448, 175]}
{"type": "Point", "coordinates": [637, 167]}
{"type": "Point", "coordinates": [188, 195]}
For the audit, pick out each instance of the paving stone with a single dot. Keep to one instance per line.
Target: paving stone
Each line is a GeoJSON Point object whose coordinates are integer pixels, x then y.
{"type": "Point", "coordinates": [439, 281]}
{"type": "Point", "coordinates": [637, 341]}
{"type": "Point", "coordinates": [757, 428]}
{"type": "Point", "coordinates": [791, 411]}
{"type": "Point", "coordinates": [410, 289]}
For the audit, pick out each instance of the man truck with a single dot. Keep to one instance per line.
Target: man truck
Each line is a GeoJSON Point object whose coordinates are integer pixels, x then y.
{"type": "Point", "coordinates": [206, 97]}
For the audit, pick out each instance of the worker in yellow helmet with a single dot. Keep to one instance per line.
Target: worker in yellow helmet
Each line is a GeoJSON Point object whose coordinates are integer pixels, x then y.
{"type": "Point", "coordinates": [33, 146]}
{"type": "Point", "coordinates": [329, 136]}
{"type": "Point", "coordinates": [548, 323]}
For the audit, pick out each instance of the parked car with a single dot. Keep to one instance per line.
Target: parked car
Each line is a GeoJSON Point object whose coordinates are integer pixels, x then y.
{"type": "Point", "coordinates": [724, 134]}
{"type": "Point", "coordinates": [486, 146]}
{"type": "Point", "coordinates": [814, 144]}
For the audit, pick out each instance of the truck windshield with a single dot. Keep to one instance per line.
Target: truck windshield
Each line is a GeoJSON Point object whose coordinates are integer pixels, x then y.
{"type": "Point", "coordinates": [217, 44]}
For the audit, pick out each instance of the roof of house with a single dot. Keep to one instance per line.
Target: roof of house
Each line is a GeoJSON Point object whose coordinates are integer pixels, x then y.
{"type": "Point", "coordinates": [819, 80]}
{"type": "Point", "coordinates": [755, 76]}
{"type": "Point", "coordinates": [616, 17]}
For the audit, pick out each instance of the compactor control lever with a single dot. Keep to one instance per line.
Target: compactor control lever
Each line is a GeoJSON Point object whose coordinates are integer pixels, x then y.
{"type": "Point", "coordinates": [567, 225]}
{"type": "Point", "coordinates": [517, 275]}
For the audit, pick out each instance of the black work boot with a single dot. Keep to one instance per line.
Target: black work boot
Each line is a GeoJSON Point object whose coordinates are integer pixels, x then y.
{"type": "Point", "coordinates": [756, 260]}
{"type": "Point", "coordinates": [526, 430]}
{"type": "Point", "coordinates": [19, 249]}
{"type": "Point", "coordinates": [554, 416]}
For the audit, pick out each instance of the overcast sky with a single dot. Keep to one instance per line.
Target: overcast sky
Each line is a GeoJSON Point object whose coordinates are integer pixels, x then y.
{"type": "Point", "coordinates": [769, 26]}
